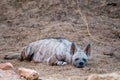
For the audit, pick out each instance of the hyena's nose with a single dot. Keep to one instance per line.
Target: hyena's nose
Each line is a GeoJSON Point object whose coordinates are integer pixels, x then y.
{"type": "Point", "coordinates": [81, 63]}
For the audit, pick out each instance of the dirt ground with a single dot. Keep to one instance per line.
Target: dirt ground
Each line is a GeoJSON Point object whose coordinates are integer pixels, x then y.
{"type": "Point", "coordinates": [25, 21]}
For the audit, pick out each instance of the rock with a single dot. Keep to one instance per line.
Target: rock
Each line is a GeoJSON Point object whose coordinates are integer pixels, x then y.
{"type": "Point", "coordinates": [6, 66]}
{"type": "Point", "coordinates": [8, 75]}
{"type": "Point", "coordinates": [28, 74]}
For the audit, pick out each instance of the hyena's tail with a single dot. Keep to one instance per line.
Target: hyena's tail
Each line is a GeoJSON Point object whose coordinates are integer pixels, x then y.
{"type": "Point", "coordinates": [12, 56]}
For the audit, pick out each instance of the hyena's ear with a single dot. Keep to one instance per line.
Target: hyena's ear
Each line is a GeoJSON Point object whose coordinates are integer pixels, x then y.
{"type": "Point", "coordinates": [88, 50]}
{"type": "Point", "coordinates": [73, 48]}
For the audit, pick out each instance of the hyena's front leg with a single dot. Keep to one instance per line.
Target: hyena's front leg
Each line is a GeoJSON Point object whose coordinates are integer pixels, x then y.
{"type": "Point", "coordinates": [60, 63]}
{"type": "Point", "coordinates": [54, 61]}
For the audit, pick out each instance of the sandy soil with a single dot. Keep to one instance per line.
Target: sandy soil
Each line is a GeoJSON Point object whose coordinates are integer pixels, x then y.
{"type": "Point", "coordinates": [25, 21]}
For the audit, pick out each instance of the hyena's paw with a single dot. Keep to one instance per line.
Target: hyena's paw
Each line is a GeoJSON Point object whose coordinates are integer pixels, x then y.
{"type": "Point", "coordinates": [60, 63]}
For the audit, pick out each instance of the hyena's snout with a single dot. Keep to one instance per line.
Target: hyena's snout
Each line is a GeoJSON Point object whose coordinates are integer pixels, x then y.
{"type": "Point", "coordinates": [80, 63]}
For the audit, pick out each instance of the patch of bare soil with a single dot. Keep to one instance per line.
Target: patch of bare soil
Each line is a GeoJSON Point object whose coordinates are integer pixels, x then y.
{"type": "Point", "coordinates": [25, 21]}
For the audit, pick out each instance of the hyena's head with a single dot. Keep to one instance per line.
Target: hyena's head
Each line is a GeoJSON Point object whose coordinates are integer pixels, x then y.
{"type": "Point", "coordinates": [80, 58]}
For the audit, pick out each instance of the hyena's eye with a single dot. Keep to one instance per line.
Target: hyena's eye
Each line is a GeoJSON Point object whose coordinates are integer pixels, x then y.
{"type": "Point", "coordinates": [76, 59]}
{"type": "Point", "coordinates": [84, 60]}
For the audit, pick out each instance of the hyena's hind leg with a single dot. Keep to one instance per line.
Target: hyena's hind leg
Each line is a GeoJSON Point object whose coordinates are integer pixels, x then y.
{"type": "Point", "coordinates": [26, 54]}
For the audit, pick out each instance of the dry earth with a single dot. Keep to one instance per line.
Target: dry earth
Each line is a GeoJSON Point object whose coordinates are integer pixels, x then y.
{"type": "Point", "coordinates": [24, 21]}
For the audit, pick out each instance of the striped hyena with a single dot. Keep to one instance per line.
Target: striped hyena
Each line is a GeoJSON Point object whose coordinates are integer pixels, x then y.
{"type": "Point", "coordinates": [55, 51]}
